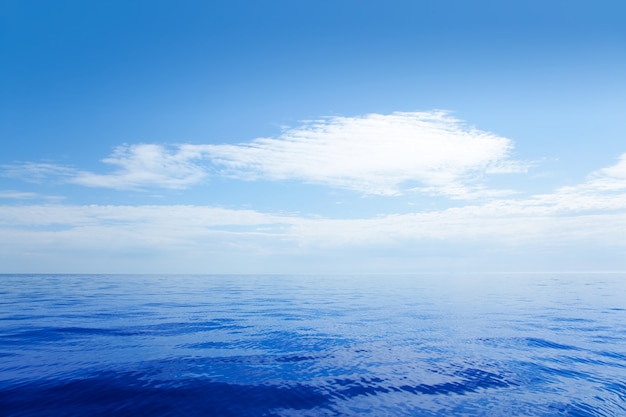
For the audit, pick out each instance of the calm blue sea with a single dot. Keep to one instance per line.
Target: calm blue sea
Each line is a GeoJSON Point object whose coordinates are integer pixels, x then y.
{"type": "Point", "coordinates": [423, 345]}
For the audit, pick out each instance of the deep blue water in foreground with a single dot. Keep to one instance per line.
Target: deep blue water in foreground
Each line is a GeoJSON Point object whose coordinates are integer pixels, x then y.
{"type": "Point", "coordinates": [495, 345]}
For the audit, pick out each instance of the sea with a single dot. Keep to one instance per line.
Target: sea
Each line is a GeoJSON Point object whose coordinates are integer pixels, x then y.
{"type": "Point", "coordinates": [309, 345]}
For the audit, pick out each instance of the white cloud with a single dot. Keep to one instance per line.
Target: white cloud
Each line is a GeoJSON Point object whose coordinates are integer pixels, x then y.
{"type": "Point", "coordinates": [21, 195]}
{"type": "Point", "coordinates": [103, 215]}
{"type": "Point", "coordinates": [36, 172]}
{"type": "Point", "coordinates": [604, 190]}
{"type": "Point", "coordinates": [17, 195]}
{"type": "Point", "coordinates": [376, 154]}
{"type": "Point", "coordinates": [138, 238]}
{"type": "Point", "coordinates": [585, 217]}
{"type": "Point", "coordinates": [144, 165]}
{"type": "Point", "coordinates": [612, 178]}
{"type": "Point", "coordinates": [430, 152]}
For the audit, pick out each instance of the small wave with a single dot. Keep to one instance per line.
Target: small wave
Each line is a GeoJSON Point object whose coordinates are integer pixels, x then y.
{"type": "Point", "coordinates": [125, 394]}
{"type": "Point", "coordinates": [52, 334]}
{"type": "Point", "coordinates": [542, 343]}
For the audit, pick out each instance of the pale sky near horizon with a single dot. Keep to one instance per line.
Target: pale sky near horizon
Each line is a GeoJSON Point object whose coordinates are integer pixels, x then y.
{"type": "Point", "coordinates": [312, 136]}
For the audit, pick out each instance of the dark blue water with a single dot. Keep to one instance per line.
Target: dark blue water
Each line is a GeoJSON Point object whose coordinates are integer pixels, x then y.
{"type": "Point", "coordinates": [497, 345]}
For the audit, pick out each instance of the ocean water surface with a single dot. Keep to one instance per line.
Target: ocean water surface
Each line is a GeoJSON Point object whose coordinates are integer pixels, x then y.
{"type": "Point", "coordinates": [411, 345]}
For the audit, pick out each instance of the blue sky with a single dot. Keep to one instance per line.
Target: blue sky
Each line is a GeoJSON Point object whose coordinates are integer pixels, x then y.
{"type": "Point", "coordinates": [312, 136]}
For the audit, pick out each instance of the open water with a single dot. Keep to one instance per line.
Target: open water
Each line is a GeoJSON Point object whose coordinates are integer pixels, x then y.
{"type": "Point", "coordinates": [493, 345]}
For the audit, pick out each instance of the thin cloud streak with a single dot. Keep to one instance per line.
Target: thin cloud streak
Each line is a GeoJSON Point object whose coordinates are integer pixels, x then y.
{"type": "Point", "coordinates": [38, 172]}
{"type": "Point", "coordinates": [148, 165]}
{"type": "Point", "coordinates": [18, 195]}
{"type": "Point", "coordinates": [22, 195]}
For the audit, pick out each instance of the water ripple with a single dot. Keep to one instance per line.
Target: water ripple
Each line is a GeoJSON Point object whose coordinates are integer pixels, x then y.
{"type": "Point", "coordinates": [536, 345]}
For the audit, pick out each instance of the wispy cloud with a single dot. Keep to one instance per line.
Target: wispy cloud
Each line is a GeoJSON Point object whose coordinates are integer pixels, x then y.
{"type": "Point", "coordinates": [144, 165]}
{"type": "Point", "coordinates": [429, 152]}
{"type": "Point", "coordinates": [376, 154]}
{"type": "Point", "coordinates": [23, 195]}
{"type": "Point", "coordinates": [18, 195]}
{"type": "Point", "coordinates": [603, 190]}
{"type": "Point", "coordinates": [37, 171]}
{"type": "Point", "coordinates": [136, 167]}
{"type": "Point", "coordinates": [590, 215]}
